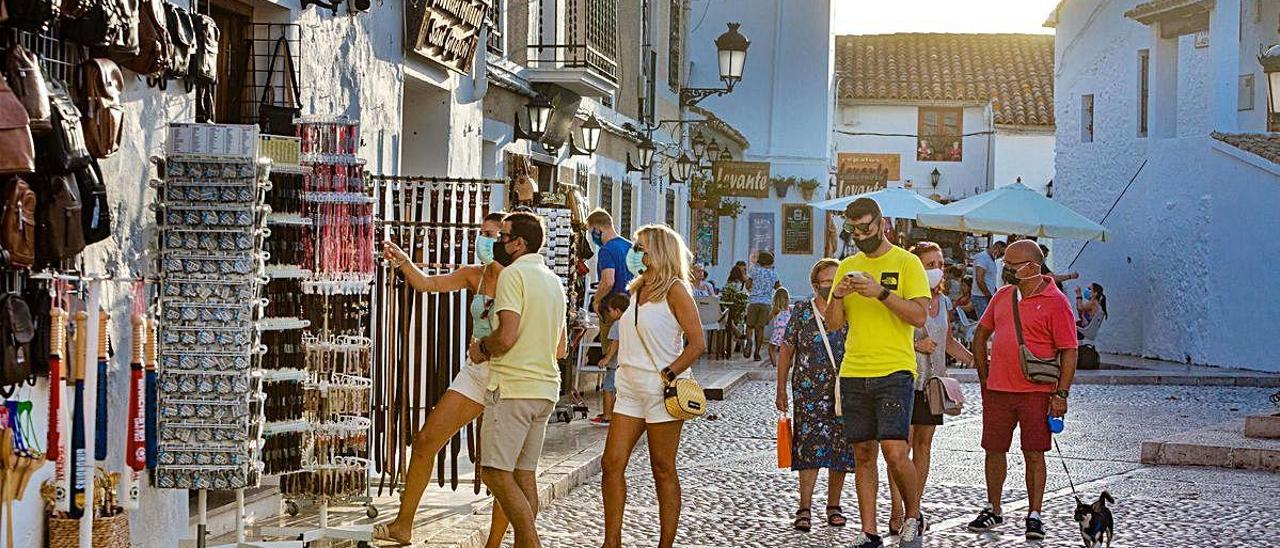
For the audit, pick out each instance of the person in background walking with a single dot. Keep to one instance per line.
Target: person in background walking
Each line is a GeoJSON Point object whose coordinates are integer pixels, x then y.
{"type": "Point", "coordinates": [611, 266]}
{"type": "Point", "coordinates": [934, 343]}
{"type": "Point", "coordinates": [524, 380]}
{"type": "Point", "coordinates": [614, 306]}
{"type": "Point", "coordinates": [778, 318]}
{"type": "Point", "coordinates": [986, 276]}
{"type": "Point", "coordinates": [817, 439]}
{"type": "Point", "coordinates": [660, 338]}
{"type": "Point", "coordinates": [760, 283]}
{"type": "Point", "coordinates": [735, 292]}
{"type": "Point", "coordinates": [883, 295]}
{"type": "Point", "coordinates": [464, 400]}
{"type": "Point", "coordinates": [1011, 401]}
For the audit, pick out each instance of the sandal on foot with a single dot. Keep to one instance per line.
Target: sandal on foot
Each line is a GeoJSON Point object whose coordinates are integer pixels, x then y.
{"type": "Point", "coordinates": [382, 532]}
{"type": "Point", "coordinates": [835, 516]}
{"type": "Point", "coordinates": [804, 520]}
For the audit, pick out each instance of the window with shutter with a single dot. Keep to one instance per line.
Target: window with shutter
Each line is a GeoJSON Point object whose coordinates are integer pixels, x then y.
{"type": "Point", "coordinates": [939, 134]}
{"type": "Point", "coordinates": [627, 198]}
{"type": "Point", "coordinates": [675, 46]}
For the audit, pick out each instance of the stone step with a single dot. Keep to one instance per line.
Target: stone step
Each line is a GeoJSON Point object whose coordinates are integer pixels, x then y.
{"type": "Point", "coordinates": [1137, 376]}
{"type": "Point", "coordinates": [1262, 426]}
{"type": "Point", "coordinates": [718, 385]}
{"type": "Point", "coordinates": [1223, 446]}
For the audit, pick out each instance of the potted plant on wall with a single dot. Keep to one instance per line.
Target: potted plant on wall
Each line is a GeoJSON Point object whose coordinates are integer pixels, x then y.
{"type": "Point", "coordinates": [807, 186]}
{"type": "Point", "coordinates": [782, 184]}
{"type": "Point", "coordinates": [731, 208]}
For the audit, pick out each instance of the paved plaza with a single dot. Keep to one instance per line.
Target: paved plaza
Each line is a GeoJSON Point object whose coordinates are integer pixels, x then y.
{"type": "Point", "coordinates": [735, 496]}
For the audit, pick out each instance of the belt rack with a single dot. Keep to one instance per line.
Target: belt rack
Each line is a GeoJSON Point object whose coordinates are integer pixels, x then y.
{"type": "Point", "coordinates": [420, 339]}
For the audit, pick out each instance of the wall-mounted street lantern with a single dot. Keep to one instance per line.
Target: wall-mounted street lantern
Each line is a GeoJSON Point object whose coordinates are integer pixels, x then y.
{"type": "Point", "coordinates": [699, 145]}
{"type": "Point", "coordinates": [684, 168]}
{"type": "Point", "coordinates": [713, 150]}
{"type": "Point", "coordinates": [1048, 189]}
{"type": "Point", "coordinates": [644, 153]}
{"type": "Point", "coordinates": [1270, 61]}
{"type": "Point", "coordinates": [726, 156]}
{"type": "Point", "coordinates": [935, 177]}
{"type": "Point", "coordinates": [731, 51]}
{"type": "Point", "coordinates": [590, 138]}
{"type": "Point", "coordinates": [538, 111]}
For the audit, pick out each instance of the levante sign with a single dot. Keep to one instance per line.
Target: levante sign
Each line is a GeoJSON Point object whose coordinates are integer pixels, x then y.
{"type": "Point", "coordinates": [445, 31]}
{"type": "Point", "coordinates": [745, 179]}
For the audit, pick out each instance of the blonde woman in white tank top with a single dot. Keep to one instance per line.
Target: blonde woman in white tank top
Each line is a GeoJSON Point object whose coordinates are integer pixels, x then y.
{"type": "Point", "coordinates": [660, 335]}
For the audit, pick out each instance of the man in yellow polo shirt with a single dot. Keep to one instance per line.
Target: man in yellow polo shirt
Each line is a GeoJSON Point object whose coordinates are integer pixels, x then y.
{"type": "Point", "coordinates": [524, 376]}
{"type": "Point", "coordinates": [883, 295]}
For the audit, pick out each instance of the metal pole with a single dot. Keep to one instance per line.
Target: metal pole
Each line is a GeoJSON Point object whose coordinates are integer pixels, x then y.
{"type": "Point", "coordinates": [202, 508]}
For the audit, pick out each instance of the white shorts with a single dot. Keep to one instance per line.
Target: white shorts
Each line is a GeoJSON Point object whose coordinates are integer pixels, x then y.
{"type": "Point", "coordinates": [472, 381]}
{"type": "Point", "coordinates": [640, 395]}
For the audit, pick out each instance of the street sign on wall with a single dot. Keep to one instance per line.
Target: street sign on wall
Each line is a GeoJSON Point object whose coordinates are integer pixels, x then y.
{"type": "Point", "coordinates": [760, 228]}
{"type": "Point", "coordinates": [445, 31]}
{"type": "Point", "coordinates": [797, 229]}
{"type": "Point", "coordinates": [745, 179]}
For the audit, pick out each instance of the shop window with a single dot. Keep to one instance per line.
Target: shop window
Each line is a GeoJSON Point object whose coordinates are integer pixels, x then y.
{"type": "Point", "coordinates": [674, 45]}
{"type": "Point", "coordinates": [1144, 90]}
{"type": "Point", "coordinates": [628, 195]}
{"type": "Point", "coordinates": [939, 133]}
{"type": "Point", "coordinates": [1086, 118]}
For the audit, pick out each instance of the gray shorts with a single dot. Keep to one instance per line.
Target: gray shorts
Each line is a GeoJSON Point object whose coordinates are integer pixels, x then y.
{"type": "Point", "coordinates": [513, 431]}
{"type": "Point", "coordinates": [758, 314]}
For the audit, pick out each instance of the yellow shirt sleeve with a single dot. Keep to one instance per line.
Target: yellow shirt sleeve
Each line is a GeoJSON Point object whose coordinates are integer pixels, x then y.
{"type": "Point", "coordinates": [913, 283]}
{"type": "Point", "coordinates": [510, 292]}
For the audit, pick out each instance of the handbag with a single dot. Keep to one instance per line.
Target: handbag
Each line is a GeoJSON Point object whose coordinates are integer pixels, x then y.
{"type": "Point", "coordinates": [943, 396]}
{"type": "Point", "coordinates": [17, 149]}
{"type": "Point", "coordinates": [826, 343]}
{"type": "Point", "coordinates": [276, 119]}
{"type": "Point", "coordinates": [1036, 369]}
{"type": "Point", "coordinates": [683, 397]}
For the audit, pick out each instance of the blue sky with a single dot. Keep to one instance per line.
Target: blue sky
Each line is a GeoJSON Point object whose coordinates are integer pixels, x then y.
{"type": "Point", "coordinates": [889, 16]}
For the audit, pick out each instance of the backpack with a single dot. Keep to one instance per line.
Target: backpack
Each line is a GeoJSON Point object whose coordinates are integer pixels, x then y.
{"type": "Point", "coordinates": [66, 150]}
{"type": "Point", "coordinates": [16, 332]}
{"type": "Point", "coordinates": [31, 15]}
{"type": "Point", "coordinates": [17, 150]}
{"type": "Point", "coordinates": [75, 9]}
{"type": "Point", "coordinates": [153, 41]}
{"type": "Point", "coordinates": [36, 294]}
{"type": "Point", "coordinates": [96, 210]}
{"type": "Point", "coordinates": [204, 60]}
{"type": "Point", "coordinates": [109, 29]}
{"type": "Point", "coordinates": [18, 223]}
{"type": "Point", "coordinates": [182, 36]}
{"type": "Point", "coordinates": [100, 86]}
{"type": "Point", "coordinates": [59, 214]}
{"type": "Point", "coordinates": [22, 68]}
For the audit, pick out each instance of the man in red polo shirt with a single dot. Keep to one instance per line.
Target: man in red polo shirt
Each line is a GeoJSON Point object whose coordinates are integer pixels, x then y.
{"type": "Point", "coordinates": [1009, 400]}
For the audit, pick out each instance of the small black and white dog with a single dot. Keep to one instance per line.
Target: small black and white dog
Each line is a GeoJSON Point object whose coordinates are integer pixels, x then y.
{"type": "Point", "coordinates": [1096, 521]}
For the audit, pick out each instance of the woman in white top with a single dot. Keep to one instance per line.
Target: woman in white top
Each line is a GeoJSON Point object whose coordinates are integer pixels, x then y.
{"type": "Point", "coordinates": [651, 346]}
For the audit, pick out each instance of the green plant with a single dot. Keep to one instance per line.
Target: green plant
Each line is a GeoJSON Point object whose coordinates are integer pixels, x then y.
{"type": "Point", "coordinates": [731, 208]}
{"type": "Point", "coordinates": [808, 184]}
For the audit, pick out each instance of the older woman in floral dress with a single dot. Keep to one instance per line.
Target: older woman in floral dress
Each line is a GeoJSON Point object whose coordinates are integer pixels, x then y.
{"type": "Point", "coordinates": [817, 440]}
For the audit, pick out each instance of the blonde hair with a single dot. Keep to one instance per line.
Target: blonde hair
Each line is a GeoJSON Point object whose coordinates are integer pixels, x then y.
{"type": "Point", "coordinates": [669, 260]}
{"type": "Point", "coordinates": [781, 298]}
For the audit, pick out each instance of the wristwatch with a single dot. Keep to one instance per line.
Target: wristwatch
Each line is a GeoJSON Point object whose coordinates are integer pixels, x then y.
{"type": "Point", "coordinates": [884, 294]}
{"type": "Point", "coordinates": [1062, 394]}
{"type": "Point", "coordinates": [668, 375]}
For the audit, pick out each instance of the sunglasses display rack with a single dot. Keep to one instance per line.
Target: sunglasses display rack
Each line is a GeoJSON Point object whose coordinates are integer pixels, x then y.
{"type": "Point", "coordinates": [558, 248]}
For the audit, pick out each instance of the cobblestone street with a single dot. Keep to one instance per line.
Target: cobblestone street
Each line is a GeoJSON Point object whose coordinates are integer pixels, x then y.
{"type": "Point", "coordinates": [734, 495]}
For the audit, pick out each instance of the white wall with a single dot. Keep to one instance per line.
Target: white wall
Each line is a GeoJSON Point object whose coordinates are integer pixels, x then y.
{"type": "Point", "coordinates": [782, 106]}
{"type": "Point", "coordinates": [1025, 154]}
{"type": "Point", "coordinates": [1184, 273]}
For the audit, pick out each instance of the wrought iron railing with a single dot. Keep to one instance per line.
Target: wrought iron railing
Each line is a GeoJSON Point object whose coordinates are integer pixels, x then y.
{"type": "Point", "coordinates": [572, 56]}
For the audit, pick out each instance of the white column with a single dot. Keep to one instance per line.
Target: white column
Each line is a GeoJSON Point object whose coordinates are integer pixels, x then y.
{"type": "Point", "coordinates": [1163, 118]}
{"type": "Point", "coordinates": [1224, 54]}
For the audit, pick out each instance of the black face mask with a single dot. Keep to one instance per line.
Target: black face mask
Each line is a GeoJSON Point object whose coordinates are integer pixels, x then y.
{"type": "Point", "coordinates": [502, 256]}
{"type": "Point", "coordinates": [870, 245]}
{"type": "Point", "coordinates": [1010, 276]}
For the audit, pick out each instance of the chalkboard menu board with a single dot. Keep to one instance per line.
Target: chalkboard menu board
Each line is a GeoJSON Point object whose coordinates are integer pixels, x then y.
{"type": "Point", "coordinates": [797, 229]}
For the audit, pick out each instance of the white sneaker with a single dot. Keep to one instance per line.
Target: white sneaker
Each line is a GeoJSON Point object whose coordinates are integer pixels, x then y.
{"type": "Point", "coordinates": [912, 533]}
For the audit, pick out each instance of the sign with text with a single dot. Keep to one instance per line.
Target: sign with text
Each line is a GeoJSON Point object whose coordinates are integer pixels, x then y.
{"type": "Point", "coordinates": [745, 179]}
{"type": "Point", "coordinates": [797, 229]}
{"type": "Point", "coordinates": [858, 172]}
{"type": "Point", "coordinates": [760, 232]}
{"type": "Point", "coordinates": [445, 31]}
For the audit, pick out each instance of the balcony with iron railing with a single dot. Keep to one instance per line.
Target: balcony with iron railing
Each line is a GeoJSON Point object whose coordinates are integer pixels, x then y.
{"type": "Point", "coordinates": [583, 56]}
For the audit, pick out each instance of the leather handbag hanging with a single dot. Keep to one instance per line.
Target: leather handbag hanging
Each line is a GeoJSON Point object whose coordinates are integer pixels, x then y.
{"type": "Point", "coordinates": [16, 332]}
{"type": "Point", "coordinates": [204, 60]}
{"type": "Point", "coordinates": [277, 119]}
{"type": "Point", "coordinates": [18, 223]}
{"type": "Point", "coordinates": [154, 46]}
{"type": "Point", "coordinates": [95, 219]}
{"type": "Point", "coordinates": [66, 148]}
{"type": "Point", "coordinates": [1036, 369]}
{"type": "Point", "coordinates": [182, 41]}
{"type": "Point", "coordinates": [17, 150]}
{"type": "Point", "coordinates": [59, 214]}
{"type": "Point", "coordinates": [30, 15]}
{"type": "Point", "coordinates": [109, 28]}
{"type": "Point", "coordinates": [100, 86]}
{"type": "Point", "coordinates": [22, 68]}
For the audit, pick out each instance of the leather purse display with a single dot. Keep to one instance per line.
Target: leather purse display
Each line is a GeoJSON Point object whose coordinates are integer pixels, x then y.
{"type": "Point", "coordinates": [66, 148]}
{"type": "Point", "coordinates": [17, 150]}
{"type": "Point", "coordinates": [277, 119]}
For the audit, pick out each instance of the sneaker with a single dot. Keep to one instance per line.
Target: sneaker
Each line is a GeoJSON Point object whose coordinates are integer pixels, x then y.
{"type": "Point", "coordinates": [600, 421]}
{"type": "Point", "coordinates": [912, 533]}
{"type": "Point", "coordinates": [1035, 529]}
{"type": "Point", "coordinates": [986, 521]}
{"type": "Point", "coordinates": [867, 541]}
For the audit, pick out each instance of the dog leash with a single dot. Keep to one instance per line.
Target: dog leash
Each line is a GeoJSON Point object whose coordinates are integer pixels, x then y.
{"type": "Point", "coordinates": [1063, 460]}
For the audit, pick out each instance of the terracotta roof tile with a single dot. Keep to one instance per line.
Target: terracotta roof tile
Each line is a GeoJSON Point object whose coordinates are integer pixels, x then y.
{"type": "Point", "coordinates": [1014, 70]}
{"type": "Point", "coordinates": [1261, 144]}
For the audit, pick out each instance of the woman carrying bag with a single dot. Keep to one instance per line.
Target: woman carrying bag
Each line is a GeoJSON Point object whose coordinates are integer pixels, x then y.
{"type": "Point", "coordinates": [810, 359]}
{"type": "Point", "coordinates": [653, 378]}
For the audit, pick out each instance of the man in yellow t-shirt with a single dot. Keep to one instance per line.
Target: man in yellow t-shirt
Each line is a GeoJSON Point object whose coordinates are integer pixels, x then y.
{"type": "Point", "coordinates": [883, 295]}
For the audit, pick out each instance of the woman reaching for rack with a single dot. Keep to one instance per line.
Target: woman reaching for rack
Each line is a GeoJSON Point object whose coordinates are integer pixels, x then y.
{"type": "Point", "coordinates": [464, 401]}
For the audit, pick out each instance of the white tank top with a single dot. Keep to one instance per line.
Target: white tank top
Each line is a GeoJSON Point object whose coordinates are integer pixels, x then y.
{"type": "Point", "coordinates": [664, 337]}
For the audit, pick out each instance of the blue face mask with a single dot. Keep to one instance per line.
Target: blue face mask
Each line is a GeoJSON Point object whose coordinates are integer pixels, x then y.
{"type": "Point", "coordinates": [484, 248]}
{"type": "Point", "coordinates": [635, 262]}
{"type": "Point", "coordinates": [1088, 293]}
{"type": "Point", "coordinates": [596, 239]}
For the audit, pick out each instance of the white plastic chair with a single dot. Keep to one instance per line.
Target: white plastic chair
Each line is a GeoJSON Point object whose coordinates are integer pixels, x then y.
{"type": "Point", "coordinates": [712, 315]}
{"type": "Point", "coordinates": [966, 326]}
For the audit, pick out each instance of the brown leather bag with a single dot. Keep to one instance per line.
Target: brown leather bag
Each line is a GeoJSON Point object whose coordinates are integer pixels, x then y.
{"type": "Point", "coordinates": [17, 150]}
{"type": "Point", "coordinates": [18, 223]}
{"type": "Point", "coordinates": [23, 71]}
{"type": "Point", "coordinates": [153, 40]}
{"type": "Point", "coordinates": [101, 84]}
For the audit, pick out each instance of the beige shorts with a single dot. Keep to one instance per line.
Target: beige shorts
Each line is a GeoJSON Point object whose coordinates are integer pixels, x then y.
{"type": "Point", "coordinates": [472, 381]}
{"type": "Point", "coordinates": [513, 432]}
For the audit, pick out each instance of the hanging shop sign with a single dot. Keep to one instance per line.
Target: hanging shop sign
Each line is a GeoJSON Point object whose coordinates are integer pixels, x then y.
{"type": "Point", "coordinates": [745, 179]}
{"type": "Point", "coordinates": [445, 31]}
{"type": "Point", "coordinates": [760, 232]}
{"type": "Point", "coordinates": [797, 229]}
{"type": "Point", "coordinates": [858, 172]}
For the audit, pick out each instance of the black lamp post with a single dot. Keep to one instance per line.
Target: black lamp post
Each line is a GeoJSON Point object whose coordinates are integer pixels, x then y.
{"type": "Point", "coordinates": [644, 153]}
{"type": "Point", "coordinates": [731, 51]}
{"type": "Point", "coordinates": [934, 177]}
{"type": "Point", "coordinates": [699, 145]}
{"type": "Point", "coordinates": [684, 168]}
{"type": "Point", "coordinates": [538, 110]}
{"type": "Point", "coordinates": [713, 150]}
{"type": "Point", "coordinates": [590, 138]}
{"type": "Point", "coordinates": [726, 156]}
{"type": "Point", "coordinates": [1270, 61]}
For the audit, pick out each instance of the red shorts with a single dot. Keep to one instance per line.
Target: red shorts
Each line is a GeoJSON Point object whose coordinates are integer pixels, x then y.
{"type": "Point", "coordinates": [1028, 411]}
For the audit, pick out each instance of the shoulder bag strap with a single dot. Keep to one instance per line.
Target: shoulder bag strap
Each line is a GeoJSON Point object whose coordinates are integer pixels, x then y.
{"type": "Point", "coordinates": [291, 73]}
{"type": "Point", "coordinates": [640, 334]}
{"type": "Point", "coordinates": [1017, 318]}
{"type": "Point", "coordinates": [822, 331]}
